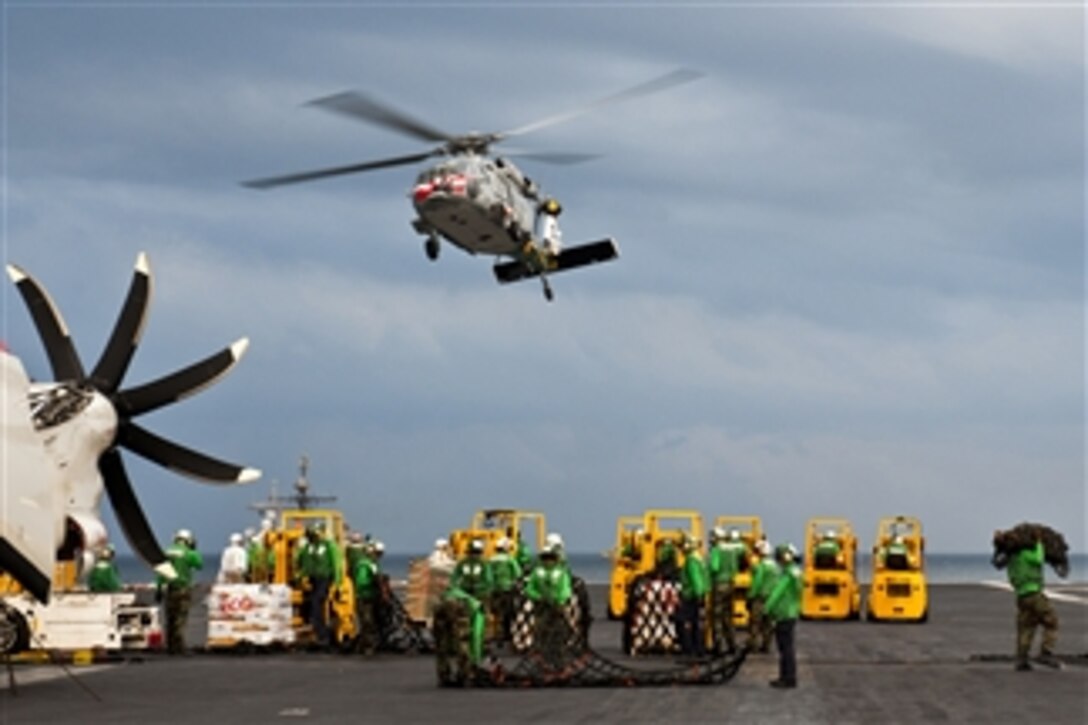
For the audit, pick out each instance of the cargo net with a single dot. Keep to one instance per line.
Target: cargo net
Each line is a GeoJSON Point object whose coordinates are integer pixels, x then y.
{"type": "Point", "coordinates": [650, 625]}
{"type": "Point", "coordinates": [1024, 536]}
{"type": "Point", "coordinates": [558, 655]}
{"type": "Point", "coordinates": [397, 632]}
{"type": "Point", "coordinates": [576, 612]}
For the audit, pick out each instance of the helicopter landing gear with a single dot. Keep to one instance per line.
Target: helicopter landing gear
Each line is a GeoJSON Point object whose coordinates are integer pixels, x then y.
{"type": "Point", "coordinates": [432, 248]}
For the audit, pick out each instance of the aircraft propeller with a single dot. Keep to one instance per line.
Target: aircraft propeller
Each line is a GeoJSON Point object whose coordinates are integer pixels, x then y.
{"type": "Point", "coordinates": [129, 403]}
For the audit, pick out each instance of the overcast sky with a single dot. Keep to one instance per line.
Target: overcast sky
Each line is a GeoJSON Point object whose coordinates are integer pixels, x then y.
{"type": "Point", "coordinates": [851, 279]}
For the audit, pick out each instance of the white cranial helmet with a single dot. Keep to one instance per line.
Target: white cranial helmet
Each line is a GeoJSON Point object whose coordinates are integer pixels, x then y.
{"type": "Point", "coordinates": [553, 540]}
{"type": "Point", "coordinates": [236, 539]}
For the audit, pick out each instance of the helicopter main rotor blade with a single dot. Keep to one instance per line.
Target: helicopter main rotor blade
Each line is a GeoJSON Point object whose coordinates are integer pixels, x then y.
{"type": "Point", "coordinates": [181, 459]}
{"type": "Point", "coordinates": [63, 358]}
{"type": "Point", "coordinates": [553, 157]}
{"type": "Point", "coordinates": [358, 106]}
{"type": "Point", "coordinates": [272, 181]}
{"type": "Point", "coordinates": [675, 78]}
{"type": "Point", "coordinates": [127, 332]}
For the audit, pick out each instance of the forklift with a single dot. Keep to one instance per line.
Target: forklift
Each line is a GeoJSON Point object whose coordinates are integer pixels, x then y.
{"type": "Point", "coordinates": [831, 589]}
{"type": "Point", "coordinates": [898, 591]}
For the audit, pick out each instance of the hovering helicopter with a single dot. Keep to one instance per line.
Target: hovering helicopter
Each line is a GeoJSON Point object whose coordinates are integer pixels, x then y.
{"type": "Point", "coordinates": [480, 203]}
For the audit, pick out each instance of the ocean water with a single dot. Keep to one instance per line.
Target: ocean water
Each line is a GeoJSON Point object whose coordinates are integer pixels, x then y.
{"type": "Point", "coordinates": [594, 568]}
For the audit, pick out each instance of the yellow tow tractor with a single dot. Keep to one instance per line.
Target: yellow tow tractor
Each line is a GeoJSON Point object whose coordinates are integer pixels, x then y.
{"type": "Point", "coordinates": [898, 591]}
{"type": "Point", "coordinates": [284, 596]}
{"type": "Point", "coordinates": [626, 559]}
{"type": "Point", "coordinates": [425, 586]}
{"type": "Point", "coordinates": [651, 591]}
{"type": "Point", "coordinates": [490, 525]}
{"type": "Point", "coordinates": [751, 533]}
{"type": "Point", "coordinates": [639, 541]}
{"type": "Point", "coordinates": [831, 589]}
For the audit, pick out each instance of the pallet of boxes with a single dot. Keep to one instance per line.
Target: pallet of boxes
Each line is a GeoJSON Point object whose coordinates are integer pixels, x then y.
{"type": "Point", "coordinates": [243, 616]}
{"type": "Point", "coordinates": [426, 584]}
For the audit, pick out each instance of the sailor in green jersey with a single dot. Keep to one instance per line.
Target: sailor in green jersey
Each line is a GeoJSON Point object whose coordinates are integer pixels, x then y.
{"type": "Point", "coordinates": [694, 585]}
{"type": "Point", "coordinates": [726, 553]}
{"type": "Point", "coordinates": [549, 588]}
{"type": "Point", "coordinates": [828, 552]}
{"type": "Point", "coordinates": [318, 560]}
{"type": "Point", "coordinates": [104, 576]}
{"type": "Point", "coordinates": [1033, 608]}
{"type": "Point", "coordinates": [355, 550]}
{"type": "Point", "coordinates": [549, 582]}
{"type": "Point", "coordinates": [764, 576]}
{"type": "Point", "coordinates": [895, 554]}
{"type": "Point", "coordinates": [666, 559]}
{"type": "Point", "coordinates": [260, 556]}
{"type": "Point", "coordinates": [184, 557]}
{"type": "Point", "coordinates": [465, 621]}
{"type": "Point", "coordinates": [522, 554]}
{"type": "Point", "coordinates": [366, 577]}
{"type": "Point", "coordinates": [783, 607]}
{"type": "Point", "coordinates": [472, 575]}
{"type": "Point", "coordinates": [505, 572]}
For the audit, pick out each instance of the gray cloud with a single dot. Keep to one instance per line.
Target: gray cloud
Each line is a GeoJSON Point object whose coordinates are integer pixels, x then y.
{"type": "Point", "coordinates": [852, 271]}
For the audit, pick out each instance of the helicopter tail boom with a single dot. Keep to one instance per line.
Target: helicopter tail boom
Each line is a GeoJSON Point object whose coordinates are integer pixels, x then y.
{"type": "Point", "coordinates": [570, 258]}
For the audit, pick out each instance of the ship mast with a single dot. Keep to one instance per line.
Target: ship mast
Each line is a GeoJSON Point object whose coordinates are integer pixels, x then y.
{"type": "Point", "coordinates": [300, 499]}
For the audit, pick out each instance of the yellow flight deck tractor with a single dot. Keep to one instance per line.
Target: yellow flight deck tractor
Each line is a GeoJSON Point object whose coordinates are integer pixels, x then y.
{"type": "Point", "coordinates": [425, 585]}
{"type": "Point", "coordinates": [898, 589]}
{"type": "Point", "coordinates": [626, 562]}
{"type": "Point", "coordinates": [640, 540]}
{"type": "Point", "coordinates": [643, 591]}
{"type": "Point", "coordinates": [831, 588]}
{"type": "Point", "coordinates": [751, 533]}
{"type": "Point", "coordinates": [275, 611]}
{"type": "Point", "coordinates": [490, 525]}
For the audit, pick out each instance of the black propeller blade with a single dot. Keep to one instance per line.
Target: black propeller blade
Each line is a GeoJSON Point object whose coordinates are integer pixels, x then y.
{"type": "Point", "coordinates": [358, 106]}
{"type": "Point", "coordinates": [127, 331]}
{"type": "Point", "coordinates": [181, 459]}
{"type": "Point", "coordinates": [129, 514]}
{"type": "Point", "coordinates": [185, 382]}
{"type": "Point", "coordinates": [106, 379]}
{"type": "Point", "coordinates": [272, 181]}
{"type": "Point", "coordinates": [63, 358]}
